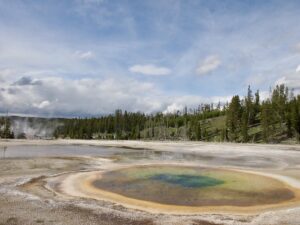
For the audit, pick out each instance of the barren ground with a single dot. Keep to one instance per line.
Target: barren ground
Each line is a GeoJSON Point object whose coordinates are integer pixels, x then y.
{"type": "Point", "coordinates": [28, 184]}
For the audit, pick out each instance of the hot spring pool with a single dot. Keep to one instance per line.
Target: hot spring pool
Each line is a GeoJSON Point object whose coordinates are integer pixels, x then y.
{"type": "Point", "coordinates": [191, 186]}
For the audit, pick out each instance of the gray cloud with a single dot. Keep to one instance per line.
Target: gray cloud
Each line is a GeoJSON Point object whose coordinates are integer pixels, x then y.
{"type": "Point", "coordinates": [59, 96]}
{"type": "Point", "coordinates": [12, 91]}
{"type": "Point", "coordinates": [23, 81]}
{"type": "Point", "coordinates": [297, 47]}
{"type": "Point", "coordinates": [79, 97]}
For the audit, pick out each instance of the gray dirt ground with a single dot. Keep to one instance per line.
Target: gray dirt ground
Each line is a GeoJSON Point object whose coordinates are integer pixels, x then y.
{"type": "Point", "coordinates": [23, 203]}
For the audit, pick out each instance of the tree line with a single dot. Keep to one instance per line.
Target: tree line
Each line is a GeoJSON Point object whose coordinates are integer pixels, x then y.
{"type": "Point", "coordinates": [5, 128]}
{"type": "Point", "coordinates": [243, 119]}
{"type": "Point", "coordinates": [246, 119]}
{"type": "Point", "coordinates": [188, 124]}
{"type": "Point", "coordinates": [275, 119]}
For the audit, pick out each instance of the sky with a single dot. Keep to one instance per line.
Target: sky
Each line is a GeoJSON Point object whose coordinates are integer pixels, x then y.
{"type": "Point", "coordinates": [90, 57]}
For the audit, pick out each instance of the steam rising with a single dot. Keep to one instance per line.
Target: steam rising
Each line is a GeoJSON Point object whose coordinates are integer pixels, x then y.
{"type": "Point", "coordinates": [32, 128]}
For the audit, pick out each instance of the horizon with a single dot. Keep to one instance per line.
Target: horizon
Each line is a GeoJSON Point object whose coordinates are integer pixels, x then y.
{"type": "Point", "coordinates": [91, 57]}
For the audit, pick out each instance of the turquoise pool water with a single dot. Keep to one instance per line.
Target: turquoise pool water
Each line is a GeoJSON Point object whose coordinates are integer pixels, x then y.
{"type": "Point", "coordinates": [188, 181]}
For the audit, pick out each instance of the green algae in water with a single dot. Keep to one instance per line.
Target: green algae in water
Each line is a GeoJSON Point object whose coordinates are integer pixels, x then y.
{"type": "Point", "coordinates": [188, 181]}
{"type": "Point", "coordinates": [193, 186]}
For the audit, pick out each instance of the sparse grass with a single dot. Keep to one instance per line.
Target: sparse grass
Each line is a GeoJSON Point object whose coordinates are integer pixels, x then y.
{"type": "Point", "coordinates": [12, 221]}
{"type": "Point", "coordinates": [202, 222]}
{"type": "Point", "coordinates": [39, 221]}
{"type": "Point", "coordinates": [218, 122]}
{"type": "Point", "coordinates": [214, 128]}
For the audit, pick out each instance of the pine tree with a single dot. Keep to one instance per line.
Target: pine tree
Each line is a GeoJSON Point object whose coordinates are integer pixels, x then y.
{"type": "Point", "coordinates": [249, 107]}
{"type": "Point", "coordinates": [295, 117]}
{"type": "Point", "coordinates": [244, 127]}
{"type": "Point", "coordinates": [279, 100]}
{"type": "Point", "coordinates": [198, 131]}
{"type": "Point", "coordinates": [233, 120]}
{"type": "Point", "coordinates": [267, 120]}
{"type": "Point", "coordinates": [256, 107]}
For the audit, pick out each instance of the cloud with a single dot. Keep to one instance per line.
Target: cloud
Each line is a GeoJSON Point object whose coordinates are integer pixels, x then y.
{"type": "Point", "coordinates": [23, 81]}
{"type": "Point", "coordinates": [91, 97]}
{"type": "Point", "coordinates": [42, 105]}
{"type": "Point", "coordinates": [6, 73]}
{"type": "Point", "coordinates": [298, 47]}
{"type": "Point", "coordinates": [150, 69]}
{"type": "Point", "coordinates": [208, 65]}
{"type": "Point", "coordinates": [257, 80]}
{"type": "Point", "coordinates": [177, 103]}
{"type": "Point", "coordinates": [173, 108]}
{"type": "Point", "coordinates": [84, 55]}
{"type": "Point", "coordinates": [298, 69]}
{"type": "Point", "coordinates": [64, 97]}
{"type": "Point", "coordinates": [292, 80]}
